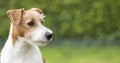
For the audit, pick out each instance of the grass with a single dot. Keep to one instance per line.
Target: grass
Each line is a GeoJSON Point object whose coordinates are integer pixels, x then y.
{"type": "Point", "coordinates": [69, 54]}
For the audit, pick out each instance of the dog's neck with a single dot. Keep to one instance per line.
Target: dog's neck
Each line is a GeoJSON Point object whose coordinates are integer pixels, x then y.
{"type": "Point", "coordinates": [20, 40]}
{"type": "Point", "coordinates": [23, 50]}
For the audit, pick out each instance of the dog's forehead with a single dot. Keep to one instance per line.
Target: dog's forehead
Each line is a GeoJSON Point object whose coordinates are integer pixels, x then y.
{"type": "Point", "coordinates": [33, 14]}
{"type": "Point", "coordinates": [30, 14]}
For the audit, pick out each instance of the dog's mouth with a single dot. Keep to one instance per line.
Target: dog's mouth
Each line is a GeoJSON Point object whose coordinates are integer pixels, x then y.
{"type": "Point", "coordinates": [41, 43]}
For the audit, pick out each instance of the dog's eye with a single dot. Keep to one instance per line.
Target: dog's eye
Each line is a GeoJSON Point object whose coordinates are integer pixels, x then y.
{"type": "Point", "coordinates": [31, 23]}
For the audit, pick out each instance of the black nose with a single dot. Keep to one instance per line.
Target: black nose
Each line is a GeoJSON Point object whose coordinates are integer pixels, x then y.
{"type": "Point", "coordinates": [49, 35]}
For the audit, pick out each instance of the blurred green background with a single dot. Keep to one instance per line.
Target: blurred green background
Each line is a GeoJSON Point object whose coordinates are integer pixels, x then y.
{"type": "Point", "coordinates": [85, 31]}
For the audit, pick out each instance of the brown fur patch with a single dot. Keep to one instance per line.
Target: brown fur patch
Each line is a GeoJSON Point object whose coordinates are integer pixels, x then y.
{"type": "Point", "coordinates": [15, 15]}
{"type": "Point", "coordinates": [38, 10]}
{"type": "Point", "coordinates": [20, 19]}
{"type": "Point", "coordinates": [44, 60]}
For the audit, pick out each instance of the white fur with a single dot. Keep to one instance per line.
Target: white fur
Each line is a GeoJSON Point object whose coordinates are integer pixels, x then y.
{"type": "Point", "coordinates": [38, 35]}
{"type": "Point", "coordinates": [24, 50]}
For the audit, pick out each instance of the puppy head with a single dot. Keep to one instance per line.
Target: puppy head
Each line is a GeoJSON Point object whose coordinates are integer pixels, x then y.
{"type": "Point", "coordinates": [29, 25]}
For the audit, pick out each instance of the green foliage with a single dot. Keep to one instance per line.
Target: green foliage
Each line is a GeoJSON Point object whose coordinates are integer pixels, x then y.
{"type": "Point", "coordinates": [71, 18]}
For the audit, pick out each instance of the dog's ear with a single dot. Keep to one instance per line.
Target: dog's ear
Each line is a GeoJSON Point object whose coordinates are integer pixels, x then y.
{"type": "Point", "coordinates": [39, 11]}
{"type": "Point", "coordinates": [15, 15]}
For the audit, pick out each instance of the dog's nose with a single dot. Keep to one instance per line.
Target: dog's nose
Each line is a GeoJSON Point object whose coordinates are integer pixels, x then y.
{"type": "Point", "coordinates": [49, 35]}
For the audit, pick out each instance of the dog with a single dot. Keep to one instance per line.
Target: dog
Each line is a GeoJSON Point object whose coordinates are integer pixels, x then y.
{"type": "Point", "coordinates": [27, 32]}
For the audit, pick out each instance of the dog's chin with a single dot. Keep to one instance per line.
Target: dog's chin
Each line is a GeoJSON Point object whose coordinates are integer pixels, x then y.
{"type": "Point", "coordinates": [40, 43]}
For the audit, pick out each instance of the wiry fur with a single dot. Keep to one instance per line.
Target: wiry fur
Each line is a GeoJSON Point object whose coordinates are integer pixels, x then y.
{"type": "Point", "coordinates": [23, 40]}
